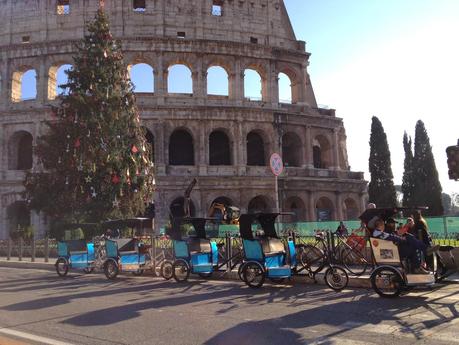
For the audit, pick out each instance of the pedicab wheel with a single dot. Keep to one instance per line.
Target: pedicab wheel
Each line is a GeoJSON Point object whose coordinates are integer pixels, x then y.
{"type": "Point", "coordinates": [180, 270]}
{"type": "Point", "coordinates": [111, 269]}
{"type": "Point", "coordinates": [205, 275]}
{"type": "Point", "coordinates": [240, 271]}
{"type": "Point", "coordinates": [336, 278]}
{"type": "Point", "coordinates": [254, 274]}
{"type": "Point", "coordinates": [138, 273]}
{"type": "Point", "coordinates": [312, 258]}
{"type": "Point", "coordinates": [387, 282]}
{"type": "Point", "coordinates": [166, 270]}
{"type": "Point", "coordinates": [354, 262]}
{"type": "Point", "coordinates": [88, 270]}
{"type": "Point", "coordinates": [62, 267]}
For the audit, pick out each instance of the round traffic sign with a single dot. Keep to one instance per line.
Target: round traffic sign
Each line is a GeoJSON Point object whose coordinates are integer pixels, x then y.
{"type": "Point", "coordinates": [275, 161]}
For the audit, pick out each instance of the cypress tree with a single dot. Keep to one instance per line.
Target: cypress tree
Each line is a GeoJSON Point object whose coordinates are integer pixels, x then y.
{"type": "Point", "coordinates": [381, 189]}
{"type": "Point", "coordinates": [407, 182]}
{"type": "Point", "coordinates": [94, 154]}
{"type": "Point", "coordinates": [427, 188]}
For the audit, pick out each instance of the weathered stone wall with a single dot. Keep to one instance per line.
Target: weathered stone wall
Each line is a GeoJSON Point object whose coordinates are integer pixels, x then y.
{"type": "Point", "coordinates": [151, 37]}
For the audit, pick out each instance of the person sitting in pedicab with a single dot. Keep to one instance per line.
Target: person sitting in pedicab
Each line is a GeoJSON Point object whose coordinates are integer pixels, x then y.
{"type": "Point", "coordinates": [407, 227]}
{"type": "Point", "coordinates": [390, 226]}
{"type": "Point", "coordinates": [408, 245]}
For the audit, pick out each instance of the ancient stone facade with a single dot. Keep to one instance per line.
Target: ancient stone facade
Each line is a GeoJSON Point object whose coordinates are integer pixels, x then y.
{"type": "Point", "coordinates": [223, 141]}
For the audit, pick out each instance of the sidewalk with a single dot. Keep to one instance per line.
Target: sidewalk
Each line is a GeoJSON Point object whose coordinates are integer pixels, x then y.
{"type": "Point", "coordinates": [358, 282]}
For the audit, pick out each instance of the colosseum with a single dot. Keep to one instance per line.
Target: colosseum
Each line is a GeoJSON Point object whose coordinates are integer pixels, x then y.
{"type": "Point", "coordinates": [224, 139]}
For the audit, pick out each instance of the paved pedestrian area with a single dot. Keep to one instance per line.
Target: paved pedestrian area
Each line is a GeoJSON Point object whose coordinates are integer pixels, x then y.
{"type": "Point", "coordinates": [37, 307]}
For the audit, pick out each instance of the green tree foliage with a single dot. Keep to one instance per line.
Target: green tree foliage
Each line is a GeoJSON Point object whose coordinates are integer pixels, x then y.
{"type": "Point", "coordinates": [95, 156]}
{"type": "Point", "coordinates": [381, 189]}
{"type": "Point", "coordinates": [427, 188]}
{"type": "Point", "coordinates": [408, 177]}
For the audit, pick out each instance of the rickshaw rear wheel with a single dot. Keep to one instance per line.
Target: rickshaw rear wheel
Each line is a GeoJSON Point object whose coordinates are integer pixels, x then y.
{"type": "Point", "coordinates": [336, 278]}
{"type": "Point", "coordinates": [62, 267]}
{"type": "Point", "coordinates": [240, 271]}
{"type": "Point", "coordinates": [254, 274]}
{"type": "Point", "coordinates": [166, 270]}
{"type": "Point", "coordinates": [180, 270]}
{"type": "Point", "coordinates": [387, 282]}
{"type": "Point", "coordinates": [111, 269]}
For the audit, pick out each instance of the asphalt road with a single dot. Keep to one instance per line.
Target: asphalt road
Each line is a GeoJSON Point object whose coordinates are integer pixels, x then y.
{"type": "Point", "coordinates": [37, 307]}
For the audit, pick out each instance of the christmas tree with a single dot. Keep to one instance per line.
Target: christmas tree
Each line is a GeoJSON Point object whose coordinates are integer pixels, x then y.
{"type": "Point", "coordinates": [94, 157]}
{"type": "Point", "coordinates": [381, 189]}
{"type": "Point", "coordinates": [427, 188]}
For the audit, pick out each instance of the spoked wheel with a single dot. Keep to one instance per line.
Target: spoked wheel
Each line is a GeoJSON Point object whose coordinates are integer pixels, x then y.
{"type": "Point", "coordinates": [240, 271]}
{"type": "Point", "coordinates": [312, 258]}
{"type": "Point", "coordinates": [387, 282]}
{"type": "Point", "coordinates": [166, 270]}
{"type": "Point", "coordinates": [62, 267]}
{"type": "Point", "coordinates": [336, 278]}
{"type": "Point", "coordinates": [254, 274]}
{"type": "Point", "coordinates": [88, 270]}
{"type": "Point", "coordinates": [111, 269]}
{"type": "Point", "coordinates": [180, 270]}
{"type": "Point", "coordinates": [354, 262]}
{"type": "Point", "coordinates": [138, 273]}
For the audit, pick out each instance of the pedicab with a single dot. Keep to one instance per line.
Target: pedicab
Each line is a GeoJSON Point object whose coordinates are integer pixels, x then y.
{"type": "Point", "coordinates": [76, 254]}
{"type": "Point", "coordinates": [196, 254]}
{"type": "Point", "coordinates": [266, 256]}
{"type": "Point", "coordinates": [392, 274]}
{"type": "Point", "coordinates": [127, 254]}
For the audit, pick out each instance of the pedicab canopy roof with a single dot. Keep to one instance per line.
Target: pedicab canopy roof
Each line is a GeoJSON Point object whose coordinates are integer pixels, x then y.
{"type": "Point", "coordinates": [385, 213]}
{"type": "Point", "coordinates": [199, 225]}
{"type": "Point", "coordinates": [266, 220]}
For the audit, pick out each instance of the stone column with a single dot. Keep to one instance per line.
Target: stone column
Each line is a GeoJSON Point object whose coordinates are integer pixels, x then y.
{"type": "Point", "coordinates": [336, 165]}
{"type": "Point", "coordinates": [339, 206]}
{"type": "Point", "coordinates": [42, 82]}
{"type": "Point", "coordinates": [202, 150]}
{"type": "Point", "coordinates": [274, 86]}
{"type": "Point", "coordinates": [237, 83]}
{"type": "Point", "coordinates": [312, 207]}
{"type": "Point", "coordinates": [308, 156]}
{"type": "Point", "coordinates": [160, 81]}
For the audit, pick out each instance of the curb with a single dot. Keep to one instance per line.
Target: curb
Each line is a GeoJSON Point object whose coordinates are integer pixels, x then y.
{"type": "Point", "coordinates": [28, 264]}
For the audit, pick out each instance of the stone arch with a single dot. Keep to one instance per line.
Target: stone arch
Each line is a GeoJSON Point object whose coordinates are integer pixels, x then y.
{"type": "Point", "coordinates": [325, 209]}
{"type": "Point", "coordinates": [292, 150]}
{"type": "Point", "coordinates": [284, 84]}
{"type": "Point", "coordinates": [24, 84]}
{"type": "Point", "coordinates": [219, 148]}
{"type": "Point", "coordinates": [351, 209]}
{"type": "Point", "coordinates": [150, 138]}
{"type": "Point", "coordinates": [20, 151]}
{"type": "Point", "coordinates": [297, 206]}
{"type": "Point", "coordinates": [322, 152]}
{"type": "Point", "coordinates": [217, 81]}
{"type": "Point", "coordinates": [179, 79]}
{"type": "Point", "coordinates": [256, 152]}
{"type": "Point", "coordinates": [294, 78]}
{"type": "Point", "coordinates": [18, 215]}
{"type": "Point", "coordinates": [260, 203]}
{"type": "Point", "coordinates": [177, 207]}
{"type": "Point", "coordinates": [142, 77]}
{"type": "Point", "coordinates": [181, 147]}
{"type": "Point", "coordinates": [56, 77]}
{"type": "Point", "coordinates": [253, 85]}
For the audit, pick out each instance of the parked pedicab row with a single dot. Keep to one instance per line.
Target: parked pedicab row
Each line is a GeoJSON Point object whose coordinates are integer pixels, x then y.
{"type": "Point", "coordinates": [261, 255]}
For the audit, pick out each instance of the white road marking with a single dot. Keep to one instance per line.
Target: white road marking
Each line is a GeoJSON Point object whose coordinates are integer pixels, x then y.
{"type": "Point", "coordinates": [32, 337]}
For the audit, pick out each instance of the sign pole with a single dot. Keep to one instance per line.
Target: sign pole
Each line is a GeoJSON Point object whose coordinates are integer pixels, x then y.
{"type": "Point", "coordinates": [275, 161]}
{"type": "Point", "coordinates": [277, 193]}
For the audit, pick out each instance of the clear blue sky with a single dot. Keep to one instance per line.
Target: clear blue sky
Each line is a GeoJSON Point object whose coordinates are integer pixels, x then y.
{"type": "Point", "coordinates": [395, 59]}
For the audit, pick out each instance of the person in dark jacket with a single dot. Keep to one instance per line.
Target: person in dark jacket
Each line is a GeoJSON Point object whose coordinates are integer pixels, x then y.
{"type": "Point", "coordinates": [420, 229]}
{"type": "Point", "coordinates": [408, 245]}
